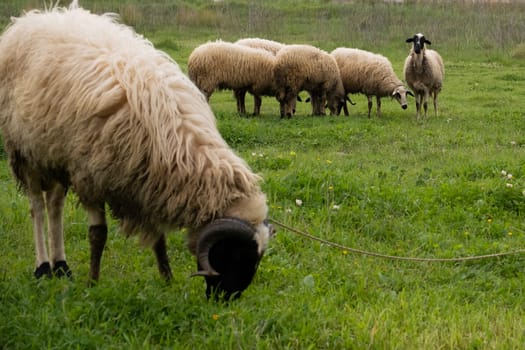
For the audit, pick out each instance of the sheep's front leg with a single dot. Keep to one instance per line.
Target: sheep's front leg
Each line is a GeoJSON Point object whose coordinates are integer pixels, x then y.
{"type": "Point", "coordinates": [240, 97]}
{"type": "Point", "coordinates": [436, 103]}
{"type": "Point", "coordinates": [55, 198]}
{"type": "Point", "coordinates": [322, 103]}
{"type": "Point", "coordinates": [418, 105]}
{"type": "Point", "coordinates": [378, 100]}
{"type": "Point", "coordinates": [36, 200]}
{"type": "Point", "coordinates": [98, 234]}
{"type": "Point", "coordinates": [370, 103]}
{"type": "Point", "coordinates": [345, 108]}
{"type": "Point", "coordinates": [425, 103]}
{"type": "Point", "coordinates": [162, 258]}
{"type": "Point", "coordinates": [257, 100]}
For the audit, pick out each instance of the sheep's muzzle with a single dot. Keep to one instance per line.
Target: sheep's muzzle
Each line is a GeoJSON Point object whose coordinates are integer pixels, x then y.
{"type": "Point", "coordinates": [227, 257]}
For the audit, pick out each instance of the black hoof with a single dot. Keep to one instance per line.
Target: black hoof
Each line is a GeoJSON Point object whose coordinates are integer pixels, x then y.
{"type": "Point", "coordinates": [60, 269]}
{"type": "Point", "coordinates": [43, 270]}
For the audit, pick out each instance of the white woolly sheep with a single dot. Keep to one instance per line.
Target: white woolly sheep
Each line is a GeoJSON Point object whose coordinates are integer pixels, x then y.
{"type": "Point", "coordinates": [256, 43]}
{"type": "Point", "coordinates": [259, 43]}
{"type": "Point", "coordinates": [87, 104]}
{"type": "Point", "coordinates": [370, 74]}
{"type": "Point", "coordinates": [305, 67]}
{"type": "Point", "coordinates": [424, 72]}
{"type": "Point", "coordinates": [223, 65]}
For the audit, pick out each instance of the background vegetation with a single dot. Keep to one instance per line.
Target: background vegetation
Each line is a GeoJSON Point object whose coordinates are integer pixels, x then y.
{"type": "Point", "coordinates": [450, 186]}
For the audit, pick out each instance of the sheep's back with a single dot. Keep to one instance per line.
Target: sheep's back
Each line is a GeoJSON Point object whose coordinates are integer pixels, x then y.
{"type": "Point", "coordinates": [365, 72]}
{"type": "Point", "coordinates": [304, 67]}
{"type": "Point", "coordinates": [227, 65]}
{"type": "Point", "coordinates": [259, 43]}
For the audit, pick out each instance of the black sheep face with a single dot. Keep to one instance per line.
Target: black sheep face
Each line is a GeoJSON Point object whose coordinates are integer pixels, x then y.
{"type": "Point", "coordinates": [236, 262]}
{"type": "Point", "coordinates": [419, 41]}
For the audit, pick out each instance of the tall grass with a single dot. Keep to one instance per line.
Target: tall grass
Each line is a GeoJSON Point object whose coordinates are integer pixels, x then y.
{"type": "Point", "coordinates": [440, 188]}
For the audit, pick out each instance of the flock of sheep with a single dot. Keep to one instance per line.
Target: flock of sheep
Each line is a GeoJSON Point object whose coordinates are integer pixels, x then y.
{"type": "Point", "coordinates": [88, 105]}
{"type": "Point", "coordinates": [268, 68]}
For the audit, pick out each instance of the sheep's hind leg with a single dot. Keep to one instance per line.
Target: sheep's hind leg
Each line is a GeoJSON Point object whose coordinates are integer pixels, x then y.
{"type": "Point", "coordinates": [378, 100]}
{"type": "Point", "coordinates": [55, 198]}
{"type": "Point", "coordinates": [36, 200]}
{"type": "Point", "coordinates": [162, 258]}
{"type": "Point", "coordinates": [98, 234]}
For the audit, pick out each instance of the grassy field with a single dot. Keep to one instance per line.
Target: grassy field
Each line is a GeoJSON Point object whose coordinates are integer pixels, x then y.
{"type": "Point", "coordinates": [450, 186]}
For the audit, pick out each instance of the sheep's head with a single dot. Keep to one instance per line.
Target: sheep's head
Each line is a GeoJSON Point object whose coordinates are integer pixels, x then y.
{"type": "Point", "coordinates": [287, 102]}
{"type": "Point", "coordinates": [419, 41]}
{"type": "Point", "coordinates": [337, 100]}
{"type": "Point", "coordinates": [400, 94]}
{"type": "Point", "coordinates": [229, 251]}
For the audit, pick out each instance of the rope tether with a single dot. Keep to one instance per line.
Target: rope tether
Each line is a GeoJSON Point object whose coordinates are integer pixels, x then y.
{"type": "Point", "coordinates": [392, 257]}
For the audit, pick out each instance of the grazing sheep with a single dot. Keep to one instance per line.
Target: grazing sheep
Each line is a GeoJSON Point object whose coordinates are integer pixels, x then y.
{"type": "Point", "coordinates": [223, 65]}
{"type": "Point", "coordinates": [370, 74]}
{"type": "Point", "coordinates": [87, 104]}
{"type": "Point", "coordinates": [256, 43]}
{"type": "Point", "coordinates": [424, 72]}
{"type": "Point", "coordinates": [305, 67]}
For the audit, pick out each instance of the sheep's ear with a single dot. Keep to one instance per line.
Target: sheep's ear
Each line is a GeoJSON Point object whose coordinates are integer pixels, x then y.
{"type": "Point", "coordinates": [410, 93]}
{"type": "Point", "coordinates": [428, 42]}
{"type": "Point", "coordinates": [410, 40]}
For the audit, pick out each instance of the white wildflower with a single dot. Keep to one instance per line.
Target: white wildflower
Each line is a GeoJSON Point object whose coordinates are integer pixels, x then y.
{"type": "Point", "coordinates": [503, 173]}
{"type": "Point", "coordinates": [298, 202]}
{"type": "Point", "coordinates": [509, 185]}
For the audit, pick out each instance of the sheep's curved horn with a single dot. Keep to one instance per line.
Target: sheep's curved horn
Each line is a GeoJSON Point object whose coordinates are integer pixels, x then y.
{"type": "Point", "coordinates": [225, 228]}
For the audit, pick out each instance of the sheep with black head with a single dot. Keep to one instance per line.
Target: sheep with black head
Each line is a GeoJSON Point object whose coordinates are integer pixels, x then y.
{"type": "Point", "coordinates": [424, 72]}
{"type": "Point", "coordinates": [87, 104]}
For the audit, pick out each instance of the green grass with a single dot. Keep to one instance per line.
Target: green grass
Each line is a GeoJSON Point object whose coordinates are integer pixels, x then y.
{"type": "Point", "coordinates": [407, 188]}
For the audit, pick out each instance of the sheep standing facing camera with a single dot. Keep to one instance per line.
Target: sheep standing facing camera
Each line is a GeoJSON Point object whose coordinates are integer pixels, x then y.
{"type": "Point", "coordinates": [223, 65]}
{"type": "Point", "coordinates": [87, 104]}
{"type": "Point", "coordinates": [370, 74]}
{"type": "Point", "coordinates": [424, 72]}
